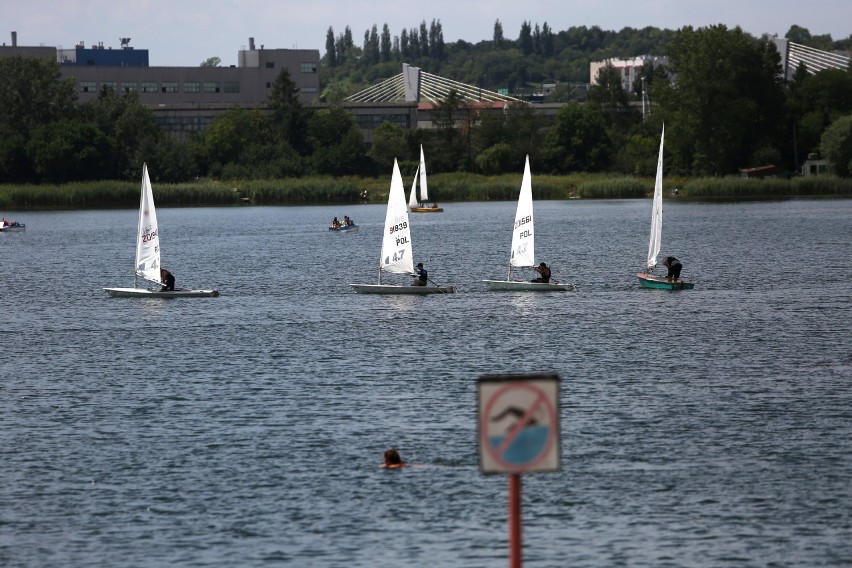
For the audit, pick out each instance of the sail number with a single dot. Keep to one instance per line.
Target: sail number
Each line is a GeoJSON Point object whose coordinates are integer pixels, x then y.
{"type": "Point", "coordinates": [398, 227]}
{"type": "Point", "coordinates": [148, 237]}
{"type": "Point", "coordinates": [523, 221]}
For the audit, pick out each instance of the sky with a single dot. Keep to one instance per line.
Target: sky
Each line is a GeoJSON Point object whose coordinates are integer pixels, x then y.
{"type": "Point", "coordinates": [184, 33]}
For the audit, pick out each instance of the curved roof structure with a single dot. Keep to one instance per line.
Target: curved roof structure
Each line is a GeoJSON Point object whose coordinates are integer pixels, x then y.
{"type": "Point", "coordinates": [416, 85]}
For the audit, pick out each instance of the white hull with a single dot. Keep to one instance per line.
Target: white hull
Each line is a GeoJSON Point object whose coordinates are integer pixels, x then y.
{"type": "Point", "coordinates": [13, 229]}
{"type": "Point", "coordinates": [528, 286]}
{"type": "Point", "coordinates": [389, 289]}
{"type": "Point", "coordinates": [155, 293]}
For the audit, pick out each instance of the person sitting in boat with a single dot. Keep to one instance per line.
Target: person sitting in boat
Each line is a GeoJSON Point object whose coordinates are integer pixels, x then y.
{"type": "Point", "coordinates": [347, 222]}
{"type": "Point", "coordinates": [422, 275]}
{"type": "Point", "coordinates": [674, 267]}
{"type": "Point", "coordinates": [167, 279]}
{"type": "Point", "coordinates": [393, 460]}
{"type": "Point", "coordinates": [544, 273]}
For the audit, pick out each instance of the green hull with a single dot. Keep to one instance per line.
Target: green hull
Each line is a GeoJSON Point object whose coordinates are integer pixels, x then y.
{"type": "Point", "coordinates": [661, 283]}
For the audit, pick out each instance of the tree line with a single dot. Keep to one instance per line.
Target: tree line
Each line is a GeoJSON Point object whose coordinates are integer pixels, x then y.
{"type": "Point", "coordinates": [721, 97]}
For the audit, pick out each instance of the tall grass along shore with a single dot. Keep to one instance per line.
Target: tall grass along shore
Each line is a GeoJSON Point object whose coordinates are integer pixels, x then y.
{"type": "Point", "coordinates": [442, 188]}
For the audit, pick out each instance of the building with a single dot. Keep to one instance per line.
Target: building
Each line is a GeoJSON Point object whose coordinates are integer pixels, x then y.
{"type": "Point", "coordinates": [183, 99]}
{"type": "Point", "coordinates": [630, 69]}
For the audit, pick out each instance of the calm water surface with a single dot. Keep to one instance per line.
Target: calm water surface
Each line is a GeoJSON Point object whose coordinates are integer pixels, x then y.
{"type": "Point", "coordinates": [710, 427]}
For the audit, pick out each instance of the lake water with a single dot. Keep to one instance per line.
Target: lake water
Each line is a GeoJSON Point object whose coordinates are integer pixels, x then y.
{"type": "Point", "coordinates": [710, 427]}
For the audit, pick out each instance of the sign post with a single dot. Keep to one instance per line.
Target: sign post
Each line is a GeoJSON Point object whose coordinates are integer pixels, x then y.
{"type": "Point", "coordinates": [518, 432]}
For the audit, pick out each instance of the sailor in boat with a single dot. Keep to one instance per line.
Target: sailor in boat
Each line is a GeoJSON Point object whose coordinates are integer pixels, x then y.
{"type": "Point", "coordinates": [347, 222]}
{"type": "Point", "coordinates": [393, 460]}
{"type": "Point", "coordinates": [335, 224]}
{"type": "Point", "coordinates": [167, 279]}
{"type": "Point", "coordinates": [544, 273]}
{"type": "Point", "coordinates": [674, 267]}
{"type": "Point", "coordinates": [422, 276]}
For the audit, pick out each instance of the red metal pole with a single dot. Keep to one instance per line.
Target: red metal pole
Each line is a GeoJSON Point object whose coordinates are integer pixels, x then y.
{"type": "Point", "coordinates": [515, 541]}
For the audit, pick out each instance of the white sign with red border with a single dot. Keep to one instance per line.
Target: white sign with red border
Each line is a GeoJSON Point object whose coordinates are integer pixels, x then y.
{"type": "Point", "coordinates": [518, 423]}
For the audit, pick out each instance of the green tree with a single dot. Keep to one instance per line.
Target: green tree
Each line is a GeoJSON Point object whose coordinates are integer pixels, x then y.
{"type": "Point", "coordinates": [69, 150]}
{"type": "Point", "coordinates": [726, 100]}
{"type": "Point", "coordinates": [32, 95]}
{"type": "Point", "coordinates": [330, 51]}
{"type": "Point", "coordinates": [498, 34]}
{"type": "Point", "coordinates": [452, 150]}
{"type": "Point", "coordinates": [389, 142]}
{"type": "Point", "coordinates": [288, 114]}
{"type": "Point", "coordinates": [815, 102]}
{"type": "Point", "coordinates": [525, 39]}
{"type": "Point", "coordinates": [338, 148]}
{"type": "Point", "coordinates": [836, 145]}
{"type": "Point", "coordinates": [577, 141]}
{"type": "Point", "coordinates": [211, 62]}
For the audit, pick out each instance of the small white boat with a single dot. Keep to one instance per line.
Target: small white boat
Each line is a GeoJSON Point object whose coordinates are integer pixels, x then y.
{"type": "Point", "coordinates": [523, 245]}
{"type": "Point", "coordinates": [420, 175]}
{"type": "Point", "coordinates": [397, 252]}
{"type": "Point", "coordinates": [148, 254]}
{"type": "Point", "coordinates": [13, 227]}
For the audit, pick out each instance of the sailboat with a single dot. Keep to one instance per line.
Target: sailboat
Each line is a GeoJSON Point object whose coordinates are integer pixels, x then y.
{"type": "Point", "coordinates": [148, 253]}
{"type": "Point", "coordinates": [424, 190]}
{"type": "Point", "coordinates": [396, 256]}
{"type": "Point", "coordinates": [647, 279]}
{"type": "Point", "coordinates": [523, 244]}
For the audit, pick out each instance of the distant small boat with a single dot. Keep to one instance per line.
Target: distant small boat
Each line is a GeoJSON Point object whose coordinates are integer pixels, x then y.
{"type": "Point", "coordinates": [647, 279]}
{"type": "Point", "coordinates": [420, 175]}
{"type": "Point", "coordinates": [396, 256]}
{"type": "Point", "coordinates": [148, 253]}
{"type": "Point", "coordinates": [353, 228]}
{"type": "Point", "coordinates": [12, 227]}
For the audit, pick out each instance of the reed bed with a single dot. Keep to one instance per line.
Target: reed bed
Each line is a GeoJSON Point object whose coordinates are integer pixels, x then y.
{"type": "Point", "coordinates": [618, 188]}
{"type": "Point", "coordinates": [737, 187]}
{"type": "Point", "coordinates": [442, 188]}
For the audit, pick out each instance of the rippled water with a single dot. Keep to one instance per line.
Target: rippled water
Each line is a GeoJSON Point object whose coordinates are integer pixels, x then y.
{"type": "Point", "coordinates": [708, 427]}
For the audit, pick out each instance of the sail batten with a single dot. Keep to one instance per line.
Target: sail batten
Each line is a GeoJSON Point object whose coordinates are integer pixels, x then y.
{"type": "Point", "coordinates": [396, 254]}
{"type": "Point", "coordinates": [656, 212]}
{"type": "Point", "coordinates": [523, 235]}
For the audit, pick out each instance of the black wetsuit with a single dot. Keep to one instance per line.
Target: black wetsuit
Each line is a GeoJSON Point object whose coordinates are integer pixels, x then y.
{"type": "Point", "coordinates": [168, 281]}
{"type": "Point", "coordinates": [674, 266]}
{"type": "Point", "coordinates": [544, 275]}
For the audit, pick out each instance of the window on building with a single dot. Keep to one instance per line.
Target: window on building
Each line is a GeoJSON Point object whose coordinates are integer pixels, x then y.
{"type": "Point", "coordinates": [270, 65]}
{"type": "Point", "coordinates": [128, 87]}
{"type": "Point", "coordinates": [88, 86]}
{"type": "Point", "coordinates": [308, 90]}
{"type": "Point", "coordinates": [232, 87]}
{"type": "Point", "coordinates": [309, 67]}
{"type": "Point", "coordinates": [170, 87]}
{"type": "Point", "coordinates": [110, 85]}
{"type": "Point", "coordinates": [191, 88]}
{"type": "Point", "coordinates": [149, 87]}
{"type": "Point", "coordinates": [211, 87]}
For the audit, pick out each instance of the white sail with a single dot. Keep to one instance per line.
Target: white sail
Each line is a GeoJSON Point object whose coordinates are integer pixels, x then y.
{"type": "Point", "coordinates": [412, 199]}
{"type": "Point", "coordinates": [523, 237]}
{"type": "Point", "coordinates": [396, 243]}
{"type": "Point", "coordinates": [147, 235]}
{"type": "Point", "coordinates": [656, 212]}
{"type": "Point", "coordinates": [424, 187]}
